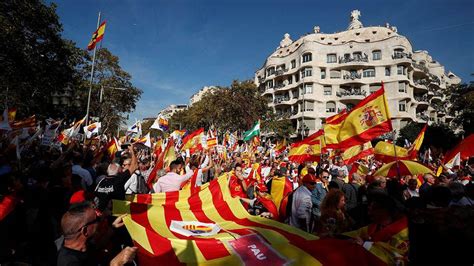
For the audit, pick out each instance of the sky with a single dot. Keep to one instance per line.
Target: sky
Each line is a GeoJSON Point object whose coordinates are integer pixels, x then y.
{"type": "Point", "coordinates": [173, 48]}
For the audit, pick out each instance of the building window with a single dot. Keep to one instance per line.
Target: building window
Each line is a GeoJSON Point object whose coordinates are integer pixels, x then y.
{"type": "Point", "coordinates": [331, 58]}
{"type": "Point", "coordinates": [309, 106]}
{"type": "Point", "coordinates": [307, 72]}
{"type": "Point", "coordinates": [290, 79]}
{"type": "Point", "coordinates": [400, 70]}
{"type": "Point", "coordinates": [307, 57]}
{"type": "Point", "coordinates": [402, 106]}
{"type": "Point", "coordinates": [374, 87]}
{"type": "Point", "coordinates": [270, 71]}
{"type": "Point", "coordinates": [387, 71]}
{"type": "Point", "coordinates": [376, 55]}
{"type": "Point", "coordinates": [270, 84]}
{"type": "Point", "coordinates": [308, 88]}
{"type": "Point", "coordinates": [297, 77]}
{"type": "Point", "coordinates": [369, 73]}
{"type": "Point", "coordinates": [402, 87]}
{"type": "Point", "coordinates": [398, 53]}
{"type": "Point", "coordinates": [335, 74]}
{"type": "Point", "coordinates": [323, 73]}
{"type": "Point", "coordinates": [330, 107]}
{"type": "Point", "coordinates": [327, 90]}
{"type": "Point", "coordinates": [293, 64]}
{"type": "Point", "coordinates": [357, 55]}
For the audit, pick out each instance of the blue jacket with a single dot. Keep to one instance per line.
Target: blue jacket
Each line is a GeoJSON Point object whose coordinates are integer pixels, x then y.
{"type": "Point", "coordinates": [317, 196]}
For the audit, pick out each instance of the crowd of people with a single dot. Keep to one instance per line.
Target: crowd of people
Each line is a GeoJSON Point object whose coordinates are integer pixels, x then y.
{"type": "Point", "coordinates": [56, 202]}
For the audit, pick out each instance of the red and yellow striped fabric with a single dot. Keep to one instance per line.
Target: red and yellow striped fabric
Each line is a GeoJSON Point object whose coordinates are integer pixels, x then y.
{"type": "Point", "coordinates": [369, 118]}
{"type": "Point", "coordinates": [307, 150]}
{"type": "Point", "coordinates": [150, 217]}
{"type": "Point", "coordinates": [27, 122]}
{"type": "Point", "coordinates": [357, 152]}
{"type": "Point", "coordinates": [193, 141]}
{"type": "Point", "coordinates": [417, 143]}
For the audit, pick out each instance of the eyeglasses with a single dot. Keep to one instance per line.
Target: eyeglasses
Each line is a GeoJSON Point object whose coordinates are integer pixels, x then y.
{"type": "Point", "coordinates": [312, 183]}
{"type": "Point", "coordinates": [325, 176]}
{"type": "Point", "coordinates": [125, 164]}
{"type": "Point", "coordinates": [96, 220]}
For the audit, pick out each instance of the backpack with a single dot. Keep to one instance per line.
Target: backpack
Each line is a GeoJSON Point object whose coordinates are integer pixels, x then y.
{"type": "Point", "coordinates": [142, 187]}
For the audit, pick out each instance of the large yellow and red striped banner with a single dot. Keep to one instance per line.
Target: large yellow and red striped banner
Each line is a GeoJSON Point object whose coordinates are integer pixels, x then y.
{"type": "Point", "coordinates": [369, 118]}
{"type": "Point", "coordinates": [152, 222]}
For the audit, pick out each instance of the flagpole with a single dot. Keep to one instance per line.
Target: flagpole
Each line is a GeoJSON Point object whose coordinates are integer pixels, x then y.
{"type": "Point", "coordinates": [395, 152]}
{"type": "Point", "coordinates": [91, 79]}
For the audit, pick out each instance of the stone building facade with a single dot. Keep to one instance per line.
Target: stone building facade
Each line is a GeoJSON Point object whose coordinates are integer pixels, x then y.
{"type": "Point", "coordinates": [320, 74]}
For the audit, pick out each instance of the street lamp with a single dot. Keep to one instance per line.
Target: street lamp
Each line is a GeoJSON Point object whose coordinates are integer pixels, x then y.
{"type": "Point", "coordinates": [304, 131]}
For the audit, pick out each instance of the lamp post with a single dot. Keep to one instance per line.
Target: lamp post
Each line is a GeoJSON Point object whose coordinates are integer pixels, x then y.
{"type": "Point", "coordinates": [304, 131]}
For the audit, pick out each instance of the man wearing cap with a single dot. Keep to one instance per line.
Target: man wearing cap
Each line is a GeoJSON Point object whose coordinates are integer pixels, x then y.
{"type": "Point", "coordinates": [302, 205]}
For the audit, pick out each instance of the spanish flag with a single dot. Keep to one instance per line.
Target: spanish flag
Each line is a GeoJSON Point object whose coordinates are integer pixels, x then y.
{"type": "Point", "coordinates": [112, 148]}
{"type": "Point", "coordinates": [385, 152]}
{"type": "Point", "coordinates": [193, 141]}
{"type": "Point", "coordinates": [280, 146]}
{"type": "Point", "coordinates": [369, 118]}
{"type": "Point", "coordinates": [417, 143]}
{"type": "Point", "coordinates": [159, 226]}
{"type": "Point", "coordinates": [280, 188]}
{"type": "Point", "coordinates": [97, 36]}
{"type": "Point", "coordinates": [335, 119]}
{"type": "Point", "coordinates": [357, 152]}
{"type": "Point", "coordinates": [308, 149]}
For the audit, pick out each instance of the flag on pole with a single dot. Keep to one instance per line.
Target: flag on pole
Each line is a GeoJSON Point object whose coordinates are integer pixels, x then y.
{"type": "Point", "coordinates": [97, 36]}
{"type": "Point", "coordinates": [254, 131]}
{"type": "Point", "coordinates": [454, 162]}
{"type": "Point", "coordinates": [465, 148]}
{"type": "Point", "coordinates": [357, 152]}
{"type": "Point", "coordinates": [210, 227]}
{"type": "Point", "coordinates": [309, 149]}
{"type": "Point", "coordinates": [385, 152]}
{"type": "Point", "coordinates": [92, 129]}
{"type": "Point", "coordinates": [160, 123]}
{"type": "Point", "coordinates": [112, 147]}
{"type": "Point", "coordinates": [417, 143]}
{"type": "Point", "coordinates": [146, 140]}
{"type": "Point", "coordinates": [280, 146]}
{"type": "Point", "coordinates": [369, 118]}
{"type": "Point", "coordinates": [193, 140]}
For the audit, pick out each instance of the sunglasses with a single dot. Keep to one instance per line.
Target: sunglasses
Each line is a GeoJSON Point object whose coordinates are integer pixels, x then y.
{"type": "Point", "coordinates": [96, 220]}
{"type": "Point", "coordinates": [326, 177]}
{"type": "Point", "coordinates": [312, 183]}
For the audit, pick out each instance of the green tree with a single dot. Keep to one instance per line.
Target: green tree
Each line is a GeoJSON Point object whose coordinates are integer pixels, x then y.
{"type": "Point", "coordinates": [461, 98]}
{"type": "Point", "coordinates": [35, 60]}
{"type": "Point", "coordinates": [438, 137]}
{"type": "Point", "coordinates": [119, 96]}
{"type": "Point", "coordinates": [236, 107]}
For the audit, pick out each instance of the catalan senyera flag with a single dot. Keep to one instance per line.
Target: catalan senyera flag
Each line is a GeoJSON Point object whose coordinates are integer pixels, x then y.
{"type": "Point", "coordinates": [161, 226]}
{"type": "Point", "coordinates": [309, 149]}
{"type": "Point", "coordinates": [97, 36]}
{"type": "Point", "coordinates": [27, 122]}
{"type": "Point", "coordinates": [368, 119]}
{"type": "Point", "coordinates": [357, 152]}
{"type": "Point", "coordinates": [417, 143]}
{"type": "Point", "coordinates": [193, 141]}
{"type": "Point", "coordinates": [385, 152]}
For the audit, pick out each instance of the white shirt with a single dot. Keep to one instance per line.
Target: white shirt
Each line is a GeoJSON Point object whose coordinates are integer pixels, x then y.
{"type": "Point", "coordinates": [171, 182]}
{"type": "Point", "coordinates": [84, 174]}
{"type": "Point", "coordinates": [301, 207]}
{"type": "Point", "coordinates": [132, 183]}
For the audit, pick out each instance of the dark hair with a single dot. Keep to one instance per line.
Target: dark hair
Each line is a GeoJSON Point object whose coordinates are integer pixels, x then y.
{"type": "Point", "coordinates": [333, 184]}
{"type": "Point", "coordinates": [237, 165]}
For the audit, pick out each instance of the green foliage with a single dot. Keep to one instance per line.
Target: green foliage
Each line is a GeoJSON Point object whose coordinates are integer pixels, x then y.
{"type": "Point", "coordinates": [227, 108]}
{"type": "Point", "coordinates": [34, 59]}
{"type": "Point", "coordinates": [36, 62]}
{"type": "Point", "coordinates": [437, 136]}
{"type": "Point", "coordinates": [462, 109]}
